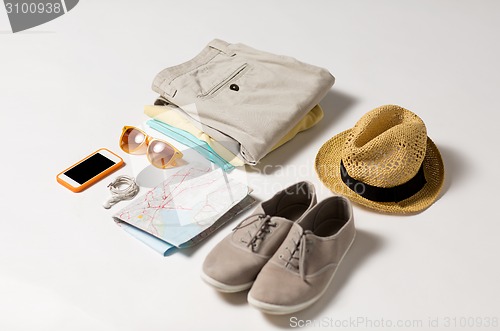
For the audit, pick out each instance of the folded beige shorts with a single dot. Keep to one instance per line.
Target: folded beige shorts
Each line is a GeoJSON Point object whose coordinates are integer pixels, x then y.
{"type": "Point", "coordinates": [244, 98]}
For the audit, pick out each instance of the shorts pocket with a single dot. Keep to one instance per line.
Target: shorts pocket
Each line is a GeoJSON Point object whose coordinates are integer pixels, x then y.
{"type": "Point", "coordinates": [224, 80]}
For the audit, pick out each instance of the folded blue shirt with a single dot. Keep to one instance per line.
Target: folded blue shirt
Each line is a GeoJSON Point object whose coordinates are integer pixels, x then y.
{"type": "Point", "coordinates": [190, 141]}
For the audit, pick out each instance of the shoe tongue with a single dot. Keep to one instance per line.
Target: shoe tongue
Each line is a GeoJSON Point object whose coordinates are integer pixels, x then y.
{"type": "Point", "coordinates": [279, 219]}
{"type": "Point", "coordinates": [259, 210]}
{"type": "Point", "coordinates": [297, 229]}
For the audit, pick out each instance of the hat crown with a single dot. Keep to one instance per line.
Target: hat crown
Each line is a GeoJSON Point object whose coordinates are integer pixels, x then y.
{"type": "Point", "coordinates": [386, 147]}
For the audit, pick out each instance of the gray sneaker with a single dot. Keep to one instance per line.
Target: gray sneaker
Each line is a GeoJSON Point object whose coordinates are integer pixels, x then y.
{"type": "Point", "coordinates": [304, 265]}
{"type": "Point", "coordinates": [233, 264]}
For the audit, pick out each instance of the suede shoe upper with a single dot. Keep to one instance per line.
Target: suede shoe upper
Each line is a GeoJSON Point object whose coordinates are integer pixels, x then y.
{"type": "Point", "coordinates": [233, 264]}
{"type": "Point", "coordinates": [303, 266]}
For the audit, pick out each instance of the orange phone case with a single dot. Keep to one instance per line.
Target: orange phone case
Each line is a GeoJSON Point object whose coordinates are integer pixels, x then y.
{"type": "Point", "coordinates": [94, 179]}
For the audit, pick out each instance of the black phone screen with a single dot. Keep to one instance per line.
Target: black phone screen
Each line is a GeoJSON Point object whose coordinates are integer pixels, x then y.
{"type": "Point", "coordinates": [89, 168]}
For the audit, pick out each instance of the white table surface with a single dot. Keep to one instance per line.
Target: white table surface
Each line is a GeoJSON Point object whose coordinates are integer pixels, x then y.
{"type": "Point", "coordinates": [68, 86]}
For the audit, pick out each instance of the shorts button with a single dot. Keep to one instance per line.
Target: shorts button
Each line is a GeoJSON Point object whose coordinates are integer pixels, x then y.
{"type": "Point", "coordinates": [234, 87]}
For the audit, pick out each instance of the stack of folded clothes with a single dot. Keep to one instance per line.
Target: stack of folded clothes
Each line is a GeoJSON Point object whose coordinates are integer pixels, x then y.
{"type": "Point", "coordinates": [235, 104]}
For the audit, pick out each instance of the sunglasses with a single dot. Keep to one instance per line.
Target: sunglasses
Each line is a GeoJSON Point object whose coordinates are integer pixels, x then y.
{"type": "Point", "coordinates": [137, 142]}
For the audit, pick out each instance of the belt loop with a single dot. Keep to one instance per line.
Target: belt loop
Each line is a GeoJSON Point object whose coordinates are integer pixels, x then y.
{"type": "Point", "coordinates": [222, 46]}
{"type": "Point", "coordinates": [167, 89]}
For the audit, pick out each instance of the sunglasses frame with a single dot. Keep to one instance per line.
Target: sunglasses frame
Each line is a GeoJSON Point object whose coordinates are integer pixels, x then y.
{"type": "Point", "coordinates": [143, 147]}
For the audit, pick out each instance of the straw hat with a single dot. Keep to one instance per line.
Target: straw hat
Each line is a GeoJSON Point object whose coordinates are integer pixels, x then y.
{"type": "Point", "coordinates": [386, 162]}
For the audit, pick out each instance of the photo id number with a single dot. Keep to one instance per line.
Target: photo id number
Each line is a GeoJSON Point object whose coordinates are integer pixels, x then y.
{"type": "Point", "coordinates": [33, 8]}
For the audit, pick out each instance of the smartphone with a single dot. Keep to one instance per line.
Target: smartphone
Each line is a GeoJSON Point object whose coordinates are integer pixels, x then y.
{"type": "Point", "coordinates": [90, 170]}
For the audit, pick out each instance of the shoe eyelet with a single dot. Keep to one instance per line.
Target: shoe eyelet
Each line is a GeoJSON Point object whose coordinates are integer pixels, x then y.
{"type": "Point", "coordinates": [280, 256]}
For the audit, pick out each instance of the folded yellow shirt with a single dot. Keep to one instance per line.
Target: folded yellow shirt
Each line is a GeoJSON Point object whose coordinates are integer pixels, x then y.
{"type": "Point", "coordinates": [311, 119]}
{"type": "Point", "coordinates": [171, 116]}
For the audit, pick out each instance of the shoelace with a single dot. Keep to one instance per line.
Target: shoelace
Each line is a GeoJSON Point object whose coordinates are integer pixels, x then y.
{"type": "Point", "coordinates": [262, 231]}
{"type": "Point", "coordinates": [297, 255]}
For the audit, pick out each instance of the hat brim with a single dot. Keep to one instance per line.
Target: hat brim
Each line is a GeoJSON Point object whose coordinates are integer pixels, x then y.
{"type": "Point", "coordinates": [327, 165]}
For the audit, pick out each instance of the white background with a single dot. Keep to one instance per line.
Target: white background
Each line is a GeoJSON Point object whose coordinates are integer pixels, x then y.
{"type": "Point", "coordinates": [67, 88]}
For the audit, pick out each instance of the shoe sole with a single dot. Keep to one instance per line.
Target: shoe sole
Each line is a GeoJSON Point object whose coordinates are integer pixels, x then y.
{"type": "Point", "coordinates": [224, 288]}
{"type": "Point", "coordinates": [271, 309]}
